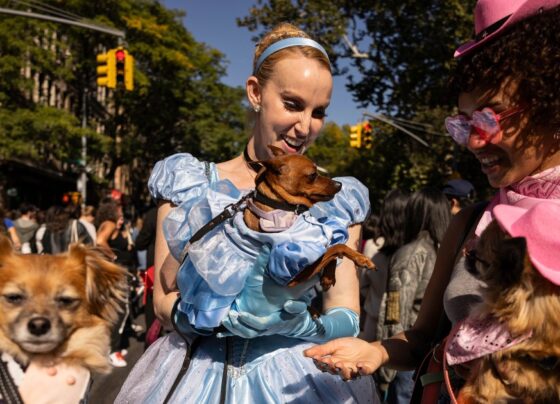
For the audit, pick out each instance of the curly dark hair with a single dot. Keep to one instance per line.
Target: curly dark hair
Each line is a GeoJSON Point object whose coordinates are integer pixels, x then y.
{"type": "Point", "coordinates": [107, 211]}
{"type": "Point", "coordinates": [529, 52]}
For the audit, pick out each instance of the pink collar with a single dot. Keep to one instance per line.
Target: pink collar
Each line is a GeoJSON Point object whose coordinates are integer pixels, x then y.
{"type": "Point", "coordinates": [275, 221]}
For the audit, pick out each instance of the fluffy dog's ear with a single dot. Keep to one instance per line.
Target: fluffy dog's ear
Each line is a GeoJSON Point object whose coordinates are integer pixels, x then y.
{"type": "Point", "coordinates": [106, 284]}
{"type": "Point", "coordinates": [512, 252]}
{"type": "Point", "coordinates": [5, 246]}
{"type": "Point", "coordinates": [276, 151]}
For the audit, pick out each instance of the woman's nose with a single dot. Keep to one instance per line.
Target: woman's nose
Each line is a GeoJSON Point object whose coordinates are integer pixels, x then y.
{"type": "Point", "coordinates": [303, 125]}
{"type": "Point", "coordinates": [475, 141]}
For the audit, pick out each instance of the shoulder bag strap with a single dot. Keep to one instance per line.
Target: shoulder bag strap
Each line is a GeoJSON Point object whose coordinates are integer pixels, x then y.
{"type": "Point", "coordinates": [8, 389]}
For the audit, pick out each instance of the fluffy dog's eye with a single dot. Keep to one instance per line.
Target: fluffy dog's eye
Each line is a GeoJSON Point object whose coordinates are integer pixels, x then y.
{"type": "Point", "coordinates": [66, 301]}
{"type": "Point", "coordinates": [14, 298]}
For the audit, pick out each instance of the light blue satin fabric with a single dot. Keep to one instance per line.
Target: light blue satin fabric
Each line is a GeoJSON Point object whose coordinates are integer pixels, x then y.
{"type": "Point", "coordinates": [210, 282]}
{"type": "Point", "coordinates": [261, 370]}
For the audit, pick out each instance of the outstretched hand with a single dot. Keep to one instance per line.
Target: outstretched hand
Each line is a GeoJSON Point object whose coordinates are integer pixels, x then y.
{"type": "Point", "coordinates": [349, 357]}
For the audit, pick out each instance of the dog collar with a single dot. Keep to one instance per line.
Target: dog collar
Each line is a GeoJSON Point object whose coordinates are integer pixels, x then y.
{"type": "Point", "coordinates": [274, 221]}
{"type": "Point", "coordinates": [298, 209]}
{"type": "Point", "coordinates": [254, 165]}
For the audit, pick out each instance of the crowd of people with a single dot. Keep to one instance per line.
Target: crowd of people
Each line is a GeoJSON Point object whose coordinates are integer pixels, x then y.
{"type": "Point", "coordinates": [236, 331]}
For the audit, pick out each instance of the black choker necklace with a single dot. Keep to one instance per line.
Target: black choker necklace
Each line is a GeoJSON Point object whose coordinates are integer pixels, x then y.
{"type": "Point", "coordinates": [254, 165]}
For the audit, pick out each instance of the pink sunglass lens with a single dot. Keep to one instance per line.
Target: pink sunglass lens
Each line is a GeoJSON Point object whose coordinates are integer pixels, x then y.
{"type": "Point", "coordinates": [486, 124]}
{"type": "Point", "coordinates": [459, 128]}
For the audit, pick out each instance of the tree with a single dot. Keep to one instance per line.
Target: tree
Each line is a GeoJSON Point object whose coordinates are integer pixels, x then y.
{"type": "Point", "coordinates": [403, 58]}
{"type": "Point", "coordinates": [179, 102]}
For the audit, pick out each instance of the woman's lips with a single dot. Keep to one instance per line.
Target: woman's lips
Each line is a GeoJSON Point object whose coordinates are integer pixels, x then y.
{"type": "Point", "coordinates": [292, 145]}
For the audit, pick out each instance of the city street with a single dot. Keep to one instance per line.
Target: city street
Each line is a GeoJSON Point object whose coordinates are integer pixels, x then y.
{"type": "Point", "coordinates": [105, 388]}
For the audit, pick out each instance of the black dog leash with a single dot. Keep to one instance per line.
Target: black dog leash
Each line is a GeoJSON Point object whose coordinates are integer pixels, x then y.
{"type": "Point", "coordinates": [226, 214]}
{"type": "Point", "coordinates": [8, 389]}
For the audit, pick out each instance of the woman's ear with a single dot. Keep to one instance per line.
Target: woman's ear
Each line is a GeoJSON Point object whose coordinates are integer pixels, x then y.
{"type": "Point", "coordinates": [253, 91]}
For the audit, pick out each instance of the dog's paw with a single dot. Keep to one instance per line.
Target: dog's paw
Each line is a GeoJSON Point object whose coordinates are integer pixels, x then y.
{"type": "Point", "coordinates": [365, 262]}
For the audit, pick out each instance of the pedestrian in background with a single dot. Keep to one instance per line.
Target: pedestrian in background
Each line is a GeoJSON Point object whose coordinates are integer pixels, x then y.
{"type": "Point", "coordinates": [56, 238]}
{"type": "Point", "coordinates": [427, 217]}
{"type": "Point", "coordinates": [460, 193]}
{"type": "Point", "coordinates": [374, 283]}
{"type": "Point", "coordinates": [26, 225]}
{"type": "Point", "coordinates": [87, 220]}
{"type": "Point", "coordinates": [7, 228]}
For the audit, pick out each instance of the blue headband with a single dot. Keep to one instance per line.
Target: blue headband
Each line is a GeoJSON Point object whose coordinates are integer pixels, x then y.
{"type": "Point", "coordinates": [287, 43]}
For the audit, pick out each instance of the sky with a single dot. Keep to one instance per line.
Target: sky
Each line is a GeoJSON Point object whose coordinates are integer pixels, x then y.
{"type": "Point", "coordinates": [213, 22]}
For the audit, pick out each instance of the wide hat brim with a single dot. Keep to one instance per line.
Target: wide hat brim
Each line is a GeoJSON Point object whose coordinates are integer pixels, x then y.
{"type": "Point", "coordinates": [540, 226]}
{"type": "Point", "coordinates": [528, 9]}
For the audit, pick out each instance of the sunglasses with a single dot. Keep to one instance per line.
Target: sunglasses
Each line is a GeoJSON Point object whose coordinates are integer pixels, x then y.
{"type": "Point", "coordinates": [485, 124]}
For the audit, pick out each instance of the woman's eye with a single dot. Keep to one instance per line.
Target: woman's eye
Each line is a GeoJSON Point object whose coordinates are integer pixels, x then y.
{"type": "Point", "coordinates": [319, 114]}
{"type": "Point", "coordinates": [292, 106]}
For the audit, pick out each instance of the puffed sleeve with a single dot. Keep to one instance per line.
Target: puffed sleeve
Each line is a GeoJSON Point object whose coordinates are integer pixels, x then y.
{"type": "Point", "coordinates": [178, 178]}
{"type": "Point", "coordinates": [349, 206]}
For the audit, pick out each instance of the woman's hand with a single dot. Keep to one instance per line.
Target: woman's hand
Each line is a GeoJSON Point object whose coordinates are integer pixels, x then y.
{"type": "Point", "coordinates": [349, 357]}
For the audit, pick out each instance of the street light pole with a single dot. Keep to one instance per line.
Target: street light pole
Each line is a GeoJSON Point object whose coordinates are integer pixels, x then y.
{"type": "Point", "coordinates": [82, 181]}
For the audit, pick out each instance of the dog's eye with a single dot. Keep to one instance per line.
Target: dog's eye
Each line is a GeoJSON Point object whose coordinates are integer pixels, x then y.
{"type": "Point", "coordinates": [312, 177]}
{"type": "Point", "coordinates": [65, 301]}
{"type": "Point", "coordinates": [14, 298]}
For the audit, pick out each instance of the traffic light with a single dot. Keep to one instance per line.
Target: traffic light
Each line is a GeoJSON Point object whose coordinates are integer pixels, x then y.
{"type": "Point", "coordinates": [367, 135]}
{"type": "Point", "coordinates": [106, 69]}
{"type": "Point", "coordinates": [356, 136]}
{"type": "Point", "coordinates": [125, 69]}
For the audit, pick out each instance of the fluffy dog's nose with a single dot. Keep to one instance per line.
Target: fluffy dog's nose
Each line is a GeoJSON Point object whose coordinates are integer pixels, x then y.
{"type": "Point", "coordinates": [39, 326]}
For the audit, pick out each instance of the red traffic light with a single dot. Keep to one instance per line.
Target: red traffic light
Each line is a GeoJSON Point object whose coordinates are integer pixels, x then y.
{"type": "Point", "coordinates": [120, 55]}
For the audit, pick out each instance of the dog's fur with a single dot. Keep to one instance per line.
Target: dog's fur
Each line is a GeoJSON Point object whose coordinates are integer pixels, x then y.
{"type": "Point", "coordinates": [294, 179]}
{"type": "Point", "coordinates": [59, 308]}
{"type": "Point", "coordinates": [518, 295]}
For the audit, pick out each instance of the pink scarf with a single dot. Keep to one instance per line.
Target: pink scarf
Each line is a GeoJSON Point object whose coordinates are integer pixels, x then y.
{"type": "Point", "coordinates": [524, 194]}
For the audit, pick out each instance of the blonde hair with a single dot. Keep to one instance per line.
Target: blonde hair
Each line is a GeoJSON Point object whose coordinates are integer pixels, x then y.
{"type": "Point", "coordinates": [283, 31]}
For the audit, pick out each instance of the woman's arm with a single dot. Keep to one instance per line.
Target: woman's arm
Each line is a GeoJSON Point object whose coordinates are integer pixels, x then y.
{"type": "Point", "coordinates": [15, 238]}
{"type": "Point", "coordinates": [104, 233]}
{"type": "Point", "coordinates": [403, 351]}
{"type": "Point", "coordinates": [165, 291]}
{"type": "Point", "coordinates": [345, 292]}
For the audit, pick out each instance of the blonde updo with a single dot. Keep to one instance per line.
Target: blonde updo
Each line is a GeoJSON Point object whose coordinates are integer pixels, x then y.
{"type": "Point", "coordinates": [283, 31]}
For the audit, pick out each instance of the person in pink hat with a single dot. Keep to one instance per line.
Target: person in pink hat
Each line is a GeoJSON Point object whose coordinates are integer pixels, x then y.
{"type": "Point", "coordinates": [507, 83]}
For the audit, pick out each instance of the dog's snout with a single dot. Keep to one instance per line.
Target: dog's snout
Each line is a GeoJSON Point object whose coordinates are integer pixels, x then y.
{"type": "Point", "coordinates": [39, 326]}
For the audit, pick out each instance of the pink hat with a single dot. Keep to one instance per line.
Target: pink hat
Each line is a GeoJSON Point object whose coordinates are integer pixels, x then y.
{"type": "Point", "coordinates": [493, 16]}
{"type": "Point", "coordinates": [540, 225]}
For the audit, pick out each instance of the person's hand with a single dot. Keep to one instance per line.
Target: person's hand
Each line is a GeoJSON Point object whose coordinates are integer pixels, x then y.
{"type": "Point", "coordinates": [348, 357]}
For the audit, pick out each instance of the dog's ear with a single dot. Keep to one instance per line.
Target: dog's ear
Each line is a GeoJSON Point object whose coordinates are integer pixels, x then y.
{"type": "Point", "coordinates": [6, 247]}
{"type": "Point", "coordinates": [276, 151]}
{"type": "Point", "coordinates": [272, 166]}
{"type": "Point", "coordinates": [511, 253]}
{"type": "Point", "coordinates": [106, 284]}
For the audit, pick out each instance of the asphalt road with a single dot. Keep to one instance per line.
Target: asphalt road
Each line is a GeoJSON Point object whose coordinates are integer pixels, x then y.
{"type": "Point", "coordinates": [105, 388]}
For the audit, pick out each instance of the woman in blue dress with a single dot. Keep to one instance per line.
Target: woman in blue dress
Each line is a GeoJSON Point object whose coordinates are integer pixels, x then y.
{"type": "Point", "coordinates": [233, 307]}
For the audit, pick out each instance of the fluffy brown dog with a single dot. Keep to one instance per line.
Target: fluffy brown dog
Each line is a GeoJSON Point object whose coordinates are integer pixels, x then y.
{"type": "Point", "coordinates": [293, 179]}
{"type": "Point", "coordinates": [528, 372]}
{"type": "Point", "coordinates": [59, 308]}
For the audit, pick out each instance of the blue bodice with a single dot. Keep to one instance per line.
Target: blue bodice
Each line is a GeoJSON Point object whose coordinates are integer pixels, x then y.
{"type": "Point", "coordinates": [218, 265]}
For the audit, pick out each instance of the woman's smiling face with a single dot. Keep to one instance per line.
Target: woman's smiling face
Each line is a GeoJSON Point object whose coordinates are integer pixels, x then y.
{"type": "Point", "coordinates": [293, 105]}
{"type": "Point", "coordinates": [524, 148]}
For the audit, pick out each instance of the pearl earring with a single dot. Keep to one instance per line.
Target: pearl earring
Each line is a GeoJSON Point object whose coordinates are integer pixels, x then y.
{"type": "Point", "coordinates": [257, 108]}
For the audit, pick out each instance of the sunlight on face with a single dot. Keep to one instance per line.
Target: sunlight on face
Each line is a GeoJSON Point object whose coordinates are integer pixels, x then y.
{"type": "Point", "coordinates": [524, 150]}
{"type": "Point", "coordinates": [294, 103]}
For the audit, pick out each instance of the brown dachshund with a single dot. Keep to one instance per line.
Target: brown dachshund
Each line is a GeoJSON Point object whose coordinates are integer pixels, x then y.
{"type": "Point", "coordinates": [292, 182]}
